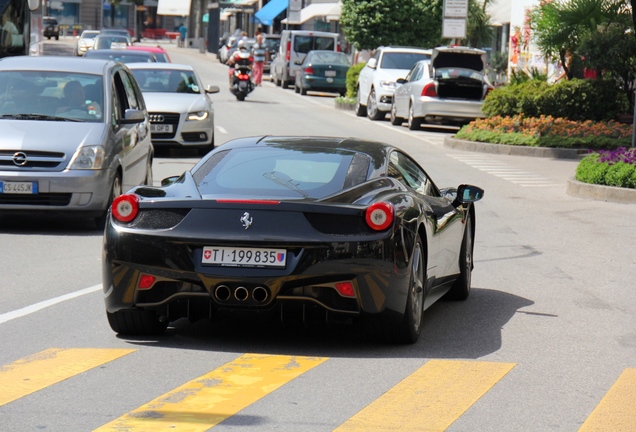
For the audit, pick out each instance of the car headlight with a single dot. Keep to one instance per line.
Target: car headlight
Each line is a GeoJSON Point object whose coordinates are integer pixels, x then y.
{"type": "Point", "coordinates": [90, 157]}
{"type": "Point", "coordinates": [199, 115]}
{"type": "Point", "coordinates": [388, 84]}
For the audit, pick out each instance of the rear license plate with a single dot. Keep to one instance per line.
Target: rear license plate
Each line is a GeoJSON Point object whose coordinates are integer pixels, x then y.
{"type": "Point", "coordinates": [29, 188]}
{"type": "Point", "coordinates": [161, 128]}
{"type": "Point", "coordinates": [244, 257]}
{"type": "Point", "coordinates": [118, 45]}
{"type": "Point", "coordinates": [330, 73]}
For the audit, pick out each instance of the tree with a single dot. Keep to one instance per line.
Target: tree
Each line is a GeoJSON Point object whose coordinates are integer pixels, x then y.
{"type": "Point", "coordinates": [560, 27]}
{"type": "Point", "coordinates": [368, 24]}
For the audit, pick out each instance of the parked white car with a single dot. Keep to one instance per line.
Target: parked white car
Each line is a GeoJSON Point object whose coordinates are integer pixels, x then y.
{"type": "Point", "coordinates": [447, 89]}
{"type": "Point", "coordinates": [377, 80]}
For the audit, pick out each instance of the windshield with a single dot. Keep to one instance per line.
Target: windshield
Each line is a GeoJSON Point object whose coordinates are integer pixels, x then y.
{"type": "Point", "coordinates": [280, 172]}
{"type": "Point", "coordinates": [59, 95]}
{"type": "Point", "coordinates": [402, 60]}
{"type": "Point", "coordinates": [14, 27]}
{"type": "Point", "coordinates": [166, 81]}
{"type": "Point", "coordinates": [328, 57]}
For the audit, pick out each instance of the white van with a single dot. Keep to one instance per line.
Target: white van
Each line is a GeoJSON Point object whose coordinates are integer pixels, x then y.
{"type": "Point", "coordinates": [294, 46]}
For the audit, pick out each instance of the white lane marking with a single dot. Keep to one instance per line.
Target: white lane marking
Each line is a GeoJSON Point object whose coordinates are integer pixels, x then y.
{"type": "Point", "coordinates": [221, 129]}
{"type": "Point", "coordinates": [505, 172]}
{"type": "Point", "coordinates": [46, 303]}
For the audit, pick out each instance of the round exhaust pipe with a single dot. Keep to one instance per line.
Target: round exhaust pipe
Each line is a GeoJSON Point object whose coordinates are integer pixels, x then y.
{"type": "Point", "coordinates": [222, 293]}
{"type": "Point", "coordinates": [241, 294]}
{"type": "Point", "coordinates": [260, 294]}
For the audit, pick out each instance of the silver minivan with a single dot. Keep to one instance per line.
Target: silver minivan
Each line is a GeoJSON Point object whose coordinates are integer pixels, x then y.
{"type": "Point", "coordinates": [75, 134]}
{"type": "Point", "coordinates": [294, 46]}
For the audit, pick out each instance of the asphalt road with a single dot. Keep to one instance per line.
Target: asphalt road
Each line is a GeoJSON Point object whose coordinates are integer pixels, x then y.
{"type": "Point", "coordinates": [547, 336]}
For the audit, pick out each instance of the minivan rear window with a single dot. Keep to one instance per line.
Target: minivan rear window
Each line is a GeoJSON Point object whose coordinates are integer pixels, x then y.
{"type": "Point", "coordinates": [304, 44]}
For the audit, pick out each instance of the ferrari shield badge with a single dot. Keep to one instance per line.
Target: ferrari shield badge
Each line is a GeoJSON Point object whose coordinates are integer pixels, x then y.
{"type": "Point", "coordinates": [246, 220]}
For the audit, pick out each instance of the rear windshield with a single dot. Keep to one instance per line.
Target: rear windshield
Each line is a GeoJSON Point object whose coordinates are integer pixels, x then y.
{"type": "Point", "coordinates": [304, 44]}
{"type": "Point", "coordinates": [402, 60]}
{"type": "Point", "coordinates": [272, 172]}
{"type": "Point", "coordinates": [49, 22]}
{"type": "Point", "coordinates": [124, 56]}
{"type": "Point", "coordinates": [328, 57]}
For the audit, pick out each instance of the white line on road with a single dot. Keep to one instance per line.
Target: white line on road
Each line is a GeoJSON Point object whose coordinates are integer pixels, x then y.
{"type": "Point", "coordinates": [46, 303]}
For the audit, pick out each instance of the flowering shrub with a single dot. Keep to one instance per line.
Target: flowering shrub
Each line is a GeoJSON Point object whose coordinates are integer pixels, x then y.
{"type": "Point", "coordinates": [547, 131]}
{"type": "Point", "coordinates": [610, 168]}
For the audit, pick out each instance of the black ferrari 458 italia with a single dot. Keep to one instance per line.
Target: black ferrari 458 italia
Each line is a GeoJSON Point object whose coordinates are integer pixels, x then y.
{"type": "Point", "coordinates": [343, 228]}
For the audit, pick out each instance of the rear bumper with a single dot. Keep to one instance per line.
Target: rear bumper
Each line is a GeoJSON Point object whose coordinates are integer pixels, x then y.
{"type": "Point", "coordinates": [448, 109]}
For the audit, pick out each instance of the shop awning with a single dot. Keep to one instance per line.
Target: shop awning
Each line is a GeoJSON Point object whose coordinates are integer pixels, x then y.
{"type": "Point", "coordinates": [270, 11]}
{"type": "Point", "coordinates": [331, 12]}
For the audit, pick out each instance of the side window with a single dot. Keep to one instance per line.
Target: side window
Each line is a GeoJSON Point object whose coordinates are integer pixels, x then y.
{"type": "Point", "coordinates": [115, 106]}
{"type": "Point", "coordinates": [415, 73]}
{"type": "Point", "coordinates": [404, 169]}
{"type": "Point", "coordinates": [119, 95]}
{"type": "Point", "coordinates": [138, 96]}
{"type": "Point", "coordinates": [129, 89]}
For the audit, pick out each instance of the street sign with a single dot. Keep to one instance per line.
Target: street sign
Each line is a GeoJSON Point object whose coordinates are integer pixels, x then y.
{"type": "Point", "coordinates": [455, 8]}
{"type": "Point", "coordinates": [293, 17]}
{"type": "Point", "coordinates": [454, 28]}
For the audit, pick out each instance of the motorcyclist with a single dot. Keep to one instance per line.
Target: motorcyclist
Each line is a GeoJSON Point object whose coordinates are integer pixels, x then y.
{"type": "Point", "coordinates": [241, 57]}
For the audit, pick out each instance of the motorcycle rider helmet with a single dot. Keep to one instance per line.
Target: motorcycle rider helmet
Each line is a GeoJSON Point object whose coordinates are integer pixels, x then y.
{"type": "Point", "coordinates": [241, 44]}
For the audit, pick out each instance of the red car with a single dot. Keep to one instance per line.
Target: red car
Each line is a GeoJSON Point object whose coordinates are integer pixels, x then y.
{"type": "Point", "coordinates": [160, 54]}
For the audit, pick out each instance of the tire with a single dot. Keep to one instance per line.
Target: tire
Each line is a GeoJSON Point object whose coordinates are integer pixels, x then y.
{"type": "Point", "coordinates": [115, 191]}
{"type": "Point", "coordinates": [372, 107]}
{"type": "Point", "coordinates": [413, 123]}
{"type": "Point", "coordinates": [284, 83]}
{"type": "Point", "coordinates": [360, 110]}
{"type": "Point", "coordinates": [395, 120]}
{"type": "Point", "coordinates": [409, 329]}
{"type": "Point", "coordinates": [461, 288]}
{"type": "Point", "coordinates": [296, 88]}
{"type": "Point", "coordinates": [240, 97]}
{"type": "Point", "coordinates": [136, 322]}
{"type": "Point", "coordinates": [303, 91]}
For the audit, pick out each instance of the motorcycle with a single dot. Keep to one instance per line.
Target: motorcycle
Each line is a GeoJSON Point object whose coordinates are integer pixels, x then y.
{"type": "Point", "coordinates": [241, 82]}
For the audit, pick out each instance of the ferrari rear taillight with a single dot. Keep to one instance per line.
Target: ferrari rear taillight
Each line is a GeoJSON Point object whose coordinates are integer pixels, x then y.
{"type": "Point", "coordinates": [429, 90]}
{"type": "Point", "coordinates": [309, 71]}
{"type": "Point", "coordinates": [146, 281]}
{"type": "Point", "coordinates": [379, 216]}
{"type": "Point", "coordinates": [345, 289]}
{"type": "Point", "coordinates": [125, 207]}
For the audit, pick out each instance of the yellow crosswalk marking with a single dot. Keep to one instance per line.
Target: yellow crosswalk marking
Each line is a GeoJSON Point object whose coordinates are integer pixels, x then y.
{"type": "Point", "coordinates": [617, 410]}
{"type": "Point", "coordinates": [208, 400]}
{"type": "Point", "coordinates": [430, 399]}
{"type": "Point", "coordinates": [49, 367]}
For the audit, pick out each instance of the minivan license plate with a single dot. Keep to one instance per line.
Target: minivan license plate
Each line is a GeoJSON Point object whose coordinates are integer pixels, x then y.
{"type": "Point", "coordinates": [29, 188]}
{"type": "Point", "coordinates": [244, 257]}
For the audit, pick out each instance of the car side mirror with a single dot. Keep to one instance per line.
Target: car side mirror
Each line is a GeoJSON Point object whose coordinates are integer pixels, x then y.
{"type": "Point", "coordinates": [33, 4]}
{"type": "Point", "coordinates": [298, 62]}
{"type": "Point", "coordinates": [212, 89]}
{"type": "Point", "coordinates": [372, 63]}
{"type": "Point", "coordinates": [469, 194]}
{"type": "Point", "coordinates": [400, 81]}
{"type": "Point", "coordinates": [132, 116]}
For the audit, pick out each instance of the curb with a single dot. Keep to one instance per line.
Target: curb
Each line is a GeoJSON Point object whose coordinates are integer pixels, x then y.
{"type": "Point", "coordinates": [511, 150]}
{"type": "Point", "coordinates": [344, 106]}
{"type": "Point", "coordinates": [601, 193]}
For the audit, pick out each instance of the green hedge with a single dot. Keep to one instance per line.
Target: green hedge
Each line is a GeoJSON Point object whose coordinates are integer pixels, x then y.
{"type": "Point", "coordinates": [352, 80]}
{"type": "Point", "coordinates": [619, 174]}
{"type": "Point", "coordinates": [575, 99]}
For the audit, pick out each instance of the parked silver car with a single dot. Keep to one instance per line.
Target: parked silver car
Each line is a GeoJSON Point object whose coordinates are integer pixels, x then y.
{"type": "Point", "coordinates": [447, 89]}
{"type": "Point", "coordinates": [181, 112]}
{"type": "Point", "coordinates": [75, 134]}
